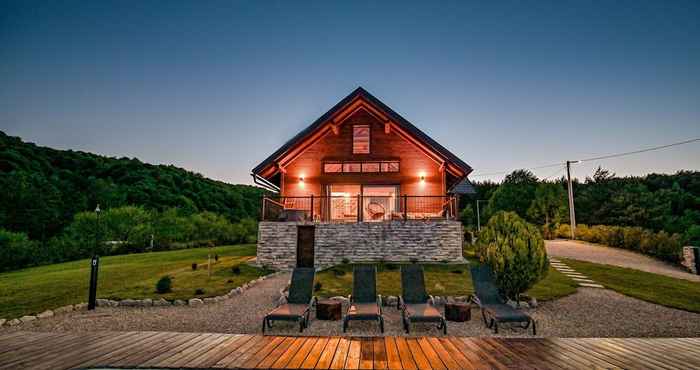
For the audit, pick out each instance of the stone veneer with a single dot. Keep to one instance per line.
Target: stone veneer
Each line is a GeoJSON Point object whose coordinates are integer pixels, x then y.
{"type": "Point", "coordinates": [688, 260]}
{"type": "Point", "coordinates": [395, 241]}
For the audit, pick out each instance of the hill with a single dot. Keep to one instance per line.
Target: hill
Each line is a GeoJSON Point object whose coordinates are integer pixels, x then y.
{"type": "Point", "coordinates": [43, 188]}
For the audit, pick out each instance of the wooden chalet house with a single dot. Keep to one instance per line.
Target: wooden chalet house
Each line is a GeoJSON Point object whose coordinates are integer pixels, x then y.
{"type": "Point", "coordinates": [366, 174]}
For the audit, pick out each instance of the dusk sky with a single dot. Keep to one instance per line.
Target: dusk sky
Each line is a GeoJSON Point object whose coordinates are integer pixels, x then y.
{"type": "Point", "coordinates": [216, 86]}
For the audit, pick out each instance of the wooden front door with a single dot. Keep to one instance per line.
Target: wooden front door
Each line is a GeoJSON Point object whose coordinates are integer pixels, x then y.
{"type": "Point", "coordinates": [305, 246]}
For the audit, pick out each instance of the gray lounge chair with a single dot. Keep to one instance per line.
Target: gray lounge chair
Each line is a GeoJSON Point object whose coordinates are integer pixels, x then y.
{"type": "Point", "coordinates": [365, 304]}
{"type": "Point", "coordinates": [494, 309]}
{"type": "Point", "coordinates": [415, 303]}
{"type": "Point", "coordinates": [299, 301]}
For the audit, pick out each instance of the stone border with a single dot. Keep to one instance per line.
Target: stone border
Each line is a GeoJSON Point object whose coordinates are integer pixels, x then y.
{"type": "Point", "coordinates": [146, 302]}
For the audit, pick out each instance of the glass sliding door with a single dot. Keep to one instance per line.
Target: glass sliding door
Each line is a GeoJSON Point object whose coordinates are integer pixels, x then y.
{"type": "Point", "coordinates": [342, 202]}
{"type": "Point", "coordinates": [380, 202]}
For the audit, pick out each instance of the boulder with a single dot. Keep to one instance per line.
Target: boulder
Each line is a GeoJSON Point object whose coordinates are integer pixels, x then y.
{"type": "Point", "coordinates": [533, 302]}
{"type": "Point", "coordinates": [63, 309]}
{"type": "Point", "coordinates": [27, 318]}
{"type": "Point", "coordinates": [161, 302]}
{"type": "Point", "coordinates": [179, 302]}
{"type": "Point", "coordinates": [45, 314]}
{"type": "Point", "coordinates": [195, 302]}
{"type": "Point", "coordinates": [13, 322]}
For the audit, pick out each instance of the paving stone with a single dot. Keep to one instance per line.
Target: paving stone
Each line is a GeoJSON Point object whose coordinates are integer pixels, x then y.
{"type": "Point", "coordinates": [588, 285]}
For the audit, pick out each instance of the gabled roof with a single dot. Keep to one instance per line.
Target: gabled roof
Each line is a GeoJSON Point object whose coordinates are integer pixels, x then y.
{"type": "Point", "coordinates": [395, 118]}
{"type": "Point", "coordinates": [464, 187]}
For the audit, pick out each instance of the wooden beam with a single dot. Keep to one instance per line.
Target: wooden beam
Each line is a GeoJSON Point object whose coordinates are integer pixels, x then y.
{"type": "Point", "coordinates": [387, 127]}
{"type": "Point", "coordinates": [334, 128]}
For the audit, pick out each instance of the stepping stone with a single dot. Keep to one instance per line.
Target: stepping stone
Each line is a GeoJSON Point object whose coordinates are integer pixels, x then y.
{"type": "Point", "coordinates": [566, 270]}
{"type": "Point", "coordinates": [588, 285]}
{"type": "Point", "coordinates": [584, 280]}
{"type": "Point", "coordinates": [577, 276]}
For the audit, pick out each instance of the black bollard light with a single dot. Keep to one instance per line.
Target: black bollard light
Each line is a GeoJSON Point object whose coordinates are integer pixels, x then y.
{"type": "Point", "coordinates": [94, 266]}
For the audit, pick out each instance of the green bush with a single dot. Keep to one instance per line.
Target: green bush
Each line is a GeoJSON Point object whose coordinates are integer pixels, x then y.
{"type": "Point", "coordinates": [236, 270]}
{"type": "Point", "coordinates": [661, 245]}
{"type": "Point", "coordinates": [164, 285]}
{"type": "Point", "coordinates": [16, 250]}
{"type": "Point", "coordinates": [515, 251]}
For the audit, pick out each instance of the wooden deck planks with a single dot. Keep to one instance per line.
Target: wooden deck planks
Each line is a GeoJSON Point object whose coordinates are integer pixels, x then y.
{"type": "Point", "coordinates": [20, 350]}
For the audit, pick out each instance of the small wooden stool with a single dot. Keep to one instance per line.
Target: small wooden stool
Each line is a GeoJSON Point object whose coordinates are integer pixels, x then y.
{"type": "Point", "coordinates": [458, 311]}
{"type": "Point", "coordinates": [329, 309]}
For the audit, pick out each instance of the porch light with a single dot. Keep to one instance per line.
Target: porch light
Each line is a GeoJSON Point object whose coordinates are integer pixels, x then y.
{"type": "Point", "coordinates": [301, 181]}
{"type": "Point", "coordinates": [422, 177]}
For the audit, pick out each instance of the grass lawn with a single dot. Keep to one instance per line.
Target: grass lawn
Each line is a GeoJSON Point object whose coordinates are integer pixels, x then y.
{"type": "Point", "coordinates": [35, 289]}
{"type": "Point", "coordinates": [659, 289]}
{"type": "Point", "coordinates": [441, 280]}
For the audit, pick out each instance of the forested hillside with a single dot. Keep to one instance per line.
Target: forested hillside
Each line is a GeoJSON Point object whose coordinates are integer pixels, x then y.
{"type": "Point", "coordinates": [43, 188]}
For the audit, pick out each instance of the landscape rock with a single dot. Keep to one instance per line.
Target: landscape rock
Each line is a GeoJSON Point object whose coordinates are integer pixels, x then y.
{"type": "Point", "coordinates": [27, 318]}
{"type": "Point", "coordinates": [63, 309]}
{"type": "Point", "coordinates": [102, 302]}
{"type": "Point", "coordinates": [161, 302]}
{"type": "Point", "coordinates": [391, 300]}
{"type": "Point", "coordinates": [2, 322]}
{"type": "Point", "coordinates": [113, 303]}
{"type": "Point", "coordinates": [340, 298]}
{"type": "Point", "coordinates": [209, 300]}
{"type": "Point", "coordinates": [239, 290]}
{"type": "Point", "coordinates": [461, 298]}
{"type": "Point", "coordinates": [45, 314]}
{"type": "Point", "coordinates": [128, 303]}
{"type": "Point", "coordinates": [233, 292]}
{"type": "Point", "coordinates": [533, 302]}
{"type": "Point", "coordinates": [13, 322]}
{"type": "Point", "coordinates": [179, 302]}
{"type": "Point", "coordinates": [438, 301]}
{"type": "Point", "coordinates": [80, 307]}
{"type": "Point", "coordinates": [195, 302]}
{"type": "Point", "coordinates": [146, 302]}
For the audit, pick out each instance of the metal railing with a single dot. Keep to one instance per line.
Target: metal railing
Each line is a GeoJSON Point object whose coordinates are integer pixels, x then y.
{"type": "Point", "coordinates": [359, 208]}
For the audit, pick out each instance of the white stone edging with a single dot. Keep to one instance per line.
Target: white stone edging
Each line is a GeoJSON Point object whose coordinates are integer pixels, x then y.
{"type": "Point", "coordinates": [146, 302]}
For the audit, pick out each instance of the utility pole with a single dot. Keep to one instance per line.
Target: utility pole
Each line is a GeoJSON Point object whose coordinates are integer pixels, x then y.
{"type": "Point", "coordinates": [572, 212]}
{"type": "Point", "coordinates": [478, 216]}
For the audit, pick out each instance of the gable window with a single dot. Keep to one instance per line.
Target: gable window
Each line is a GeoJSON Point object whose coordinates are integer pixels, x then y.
{"type": "Point", "coordinates": [360, 139]}
{"type": "Point", "coordinates": [364, 167]}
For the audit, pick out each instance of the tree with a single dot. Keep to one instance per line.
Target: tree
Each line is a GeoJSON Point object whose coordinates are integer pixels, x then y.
{"type": "Point", "coordinates": [549, 205]}
{"type": "Point", "coordinates": [515, 194]}
{"type": "Point", "coordinates": [515, 251]}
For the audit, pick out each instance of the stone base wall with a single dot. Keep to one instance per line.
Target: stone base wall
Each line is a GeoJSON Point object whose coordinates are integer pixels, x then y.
{"type": "Point", "coordinates": [689, 260]}
{"type": "Point", "coordinates": [396, 241]}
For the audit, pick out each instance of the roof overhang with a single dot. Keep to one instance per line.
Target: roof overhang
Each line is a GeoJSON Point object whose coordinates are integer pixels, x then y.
{"type": "Point", "coordinates": [328, 123]}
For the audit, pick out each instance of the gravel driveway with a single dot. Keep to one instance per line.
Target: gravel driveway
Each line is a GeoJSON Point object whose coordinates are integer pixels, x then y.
{"type": "Point", "coordinates": [588, 313]}
{"type": "Point", "coordinates": [583, 251]}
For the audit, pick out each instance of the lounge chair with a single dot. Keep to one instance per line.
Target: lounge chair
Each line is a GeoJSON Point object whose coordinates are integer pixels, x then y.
{"type": "Point", "coordinates": [365, 304]}
{"type": "Point", "coordinates": [494, 309]}
{"type": "Point", "coordinates": [415, 303]}
{"type": "Point", "coordinates": [299, 301]}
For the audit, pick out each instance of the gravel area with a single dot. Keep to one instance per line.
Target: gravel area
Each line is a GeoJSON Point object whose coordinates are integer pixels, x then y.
{"type": "Point", "coordinates": [588, 313]}
{"type": "Point", "coordinates": [583, 251]}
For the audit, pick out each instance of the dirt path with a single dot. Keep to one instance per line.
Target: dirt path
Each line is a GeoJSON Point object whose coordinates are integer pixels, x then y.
{"type": "Point", "coordinates": [583, 251]}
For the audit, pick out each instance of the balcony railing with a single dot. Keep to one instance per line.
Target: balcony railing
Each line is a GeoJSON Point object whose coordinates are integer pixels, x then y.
{"type": "Point", "coordinates": [358, 208]}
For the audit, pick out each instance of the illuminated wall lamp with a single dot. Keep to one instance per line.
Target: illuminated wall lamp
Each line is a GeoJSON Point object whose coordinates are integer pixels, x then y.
{"type": "Point", "coordinates": [301, 181]}
{"type": "Point", "coordinates": [422, 178]}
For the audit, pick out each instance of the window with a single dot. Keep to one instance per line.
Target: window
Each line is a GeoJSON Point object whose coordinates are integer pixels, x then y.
{"type": "Point", "coordinates": [332, 167]}
{"type": "Point", "coordinates": [360, 139]}
{"type": "Point", "coordinates": [370, 167]}
{"type": "Point", "coordinates": [352, 167]}
{"type": "Point", "coordinates": [364, 167]}
{"type": "Point", "coordinates": [392, 166]}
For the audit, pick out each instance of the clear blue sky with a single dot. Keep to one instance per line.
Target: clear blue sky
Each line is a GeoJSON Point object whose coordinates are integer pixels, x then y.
{"type": "Point", "coordinates": [217, 86]}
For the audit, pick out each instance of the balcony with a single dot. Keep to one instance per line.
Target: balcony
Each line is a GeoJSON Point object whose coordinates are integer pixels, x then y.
{"type": "Point", "coordinates": [358, 208]}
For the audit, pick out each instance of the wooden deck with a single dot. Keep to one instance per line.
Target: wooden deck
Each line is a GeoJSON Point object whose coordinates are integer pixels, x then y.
{"type": "Point", "coordinates": [32, 350]}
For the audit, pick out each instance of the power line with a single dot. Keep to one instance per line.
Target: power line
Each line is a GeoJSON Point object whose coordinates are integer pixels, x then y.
{"type": "Point", "coordinates": [639, 151]}
{"type": "Point", "coordinates": [615, 155]}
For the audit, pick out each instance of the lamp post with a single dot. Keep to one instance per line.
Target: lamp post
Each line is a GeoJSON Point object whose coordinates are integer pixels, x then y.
{"type": "Point", "coordinates": [94, 263]}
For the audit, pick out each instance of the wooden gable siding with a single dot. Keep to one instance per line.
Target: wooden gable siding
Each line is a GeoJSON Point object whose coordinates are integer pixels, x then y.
{"type": "Point", "coordinates": [383, 146]}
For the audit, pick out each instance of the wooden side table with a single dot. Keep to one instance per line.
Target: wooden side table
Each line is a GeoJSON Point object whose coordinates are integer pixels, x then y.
{"type": "Point", "coordinates": [329, 309]}
{"type": "Point", "coordinates": [458, 311]}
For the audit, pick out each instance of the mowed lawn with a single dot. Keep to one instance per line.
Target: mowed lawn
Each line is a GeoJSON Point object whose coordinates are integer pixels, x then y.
{"type": "Point", "coordinates": [33, 290]}
{"type": "Point", "coordinates": [654, 288]}
{"type": "Point", "coordinates": [440, 280]}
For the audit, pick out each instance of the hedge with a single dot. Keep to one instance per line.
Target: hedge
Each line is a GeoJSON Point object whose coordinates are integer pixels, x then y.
{"type": "Point", "coordinates": [662, 245]}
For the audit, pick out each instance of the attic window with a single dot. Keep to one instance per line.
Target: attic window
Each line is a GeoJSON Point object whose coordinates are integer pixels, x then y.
{"type": "Point", "coordinates": [360, 139]}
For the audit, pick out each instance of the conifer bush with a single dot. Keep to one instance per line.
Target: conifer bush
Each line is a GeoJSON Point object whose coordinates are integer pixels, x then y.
{"type": "Point", "coordinates": [164, 285]}
{"type": "Point", "coordinates": [515, 251]}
